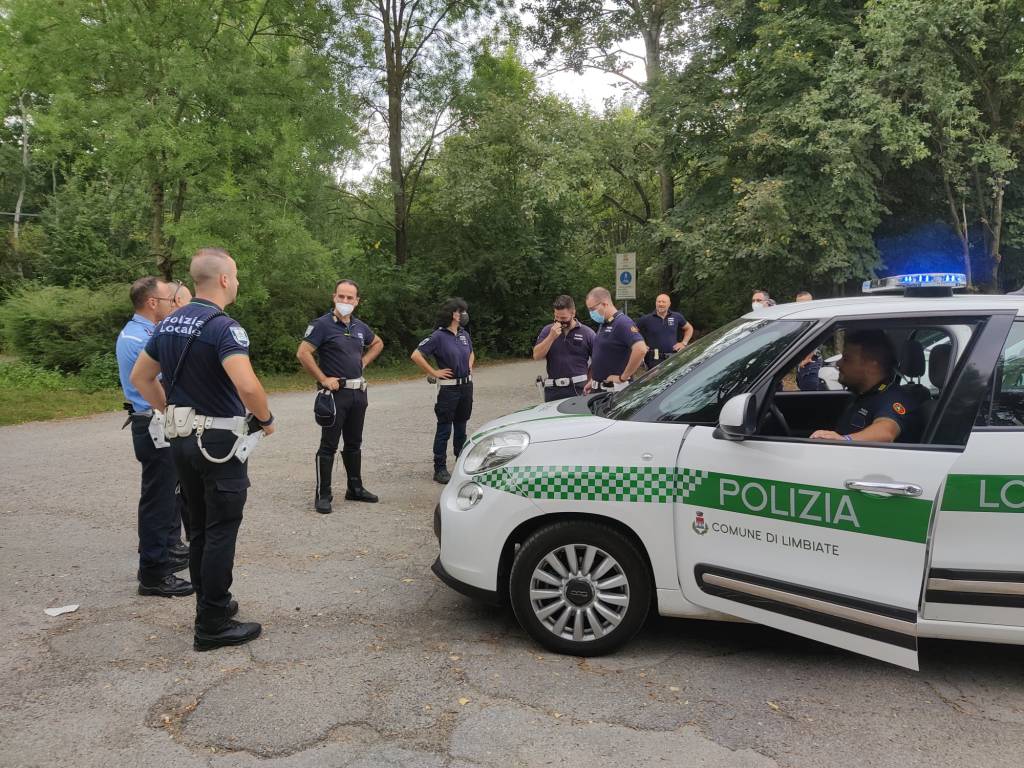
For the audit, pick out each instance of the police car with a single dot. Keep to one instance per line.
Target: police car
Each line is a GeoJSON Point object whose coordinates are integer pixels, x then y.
{"type": "Point", "coordinates": [697, 490]}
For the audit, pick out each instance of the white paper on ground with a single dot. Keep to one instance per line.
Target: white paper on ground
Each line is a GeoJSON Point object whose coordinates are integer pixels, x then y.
{"type": "Point", "coordinates": [62, 609]}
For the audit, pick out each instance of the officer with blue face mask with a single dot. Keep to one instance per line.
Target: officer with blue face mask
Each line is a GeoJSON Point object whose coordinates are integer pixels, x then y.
{"type": "Point", "coordinates": [344, 346]}
{"type": "Point", "coordinates": [452, 348]}
{"type": "Point", "coordinates": [619, 348]}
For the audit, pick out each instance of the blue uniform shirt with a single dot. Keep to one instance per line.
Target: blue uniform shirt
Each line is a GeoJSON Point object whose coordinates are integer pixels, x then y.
{"type": "Point", "coordinates": [612, 346]}
{"type": "Point", "coordinates": [449, 350]}
{"type": "Point", "coordinates": [130, 342]}
{"type": "Point", "coordinates": [886, 401]}
{"type": "Point", "coordinates": [662, 333]}
{"type": "Point", "coordinates": [569, 354]}
{"type": "Point", "coordinates": [202, 382]}
{"type": "Point", "coordinates": [339, 346]}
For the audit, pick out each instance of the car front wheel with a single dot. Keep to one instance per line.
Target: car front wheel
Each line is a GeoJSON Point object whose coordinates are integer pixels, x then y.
{"type": "Point", "coordinates": [580, 588]}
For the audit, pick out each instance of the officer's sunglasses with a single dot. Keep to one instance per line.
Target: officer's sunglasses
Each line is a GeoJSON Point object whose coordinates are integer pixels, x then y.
{"type": "Point", "coordinates": [174, 296]}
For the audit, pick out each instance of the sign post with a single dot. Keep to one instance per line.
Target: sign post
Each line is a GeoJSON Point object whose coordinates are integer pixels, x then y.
{"type": "Point", "coordinates": [625, 278]}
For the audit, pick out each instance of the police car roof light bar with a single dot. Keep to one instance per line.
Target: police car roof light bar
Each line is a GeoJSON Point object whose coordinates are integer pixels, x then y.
{"type": "Point", "coordinates": [918, 284]}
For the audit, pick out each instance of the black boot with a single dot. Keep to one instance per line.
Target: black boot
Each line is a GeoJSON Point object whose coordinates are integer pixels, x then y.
{"type": "Point", "coordinates": [168, 586]}
{"type": "Point", "coordinates": [324, 467]}
{"type": "Point", "coordinates": [353, 461]}
{"type": "Point", "coordinates": [441, 471]}
{"type": "Point", "coordinates": [230, 632]}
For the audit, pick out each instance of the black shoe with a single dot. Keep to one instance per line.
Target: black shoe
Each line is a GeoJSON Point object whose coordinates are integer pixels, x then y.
{"type": "Point", "coordinates": [231, 633]}
{"type": "Point", "coordinates": [356, 492]}
{"type": "Point", "coordinates": [178, 551]}
{"type": "Point", "coordinates": [322, 504]}
{"type": "Point", "coordinates": [168, 586]}
{"type": "Point", "coordinates": [175, 564]}
{"type": "Point", "coordinates": [442, 476]}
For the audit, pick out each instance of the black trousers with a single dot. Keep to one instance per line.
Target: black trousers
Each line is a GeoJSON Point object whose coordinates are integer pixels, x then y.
{"type": "Point", "coordinates": [560, 393]}
{"type": "Point", "coordinates": [350, 405]}
{"type": "Point", "coordinates": [159, 516]}
{"type": "Point", "coordinates": [215, 494]}
{"type": "Point", "coordinates": [453, 408]}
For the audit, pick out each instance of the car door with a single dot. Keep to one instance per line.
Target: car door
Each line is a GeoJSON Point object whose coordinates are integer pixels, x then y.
{"type": "Point", "coordinates": [976, 573]}
{"type": "Point", "coordinates": [827, 540]}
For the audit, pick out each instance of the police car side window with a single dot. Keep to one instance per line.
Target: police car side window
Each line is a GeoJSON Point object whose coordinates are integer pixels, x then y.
{"type": "Point", "coordinates": [1005, 404]}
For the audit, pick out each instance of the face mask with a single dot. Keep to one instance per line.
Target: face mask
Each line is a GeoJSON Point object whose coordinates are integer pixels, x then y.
{"type": "Point", "coordinates": [463, 319]}
{"type": "Point", "coordinates": [344, 309]}
{"type": "Point", "coordinates": [565, 324]}
{"type": "Point", "coordinates": [756, 305]}
{"type": "Point", "coordinates": [596, 316]}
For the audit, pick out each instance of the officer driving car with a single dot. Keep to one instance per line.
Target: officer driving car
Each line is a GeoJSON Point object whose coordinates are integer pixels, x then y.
{"type": "Point", "coordinates": [881, 412]}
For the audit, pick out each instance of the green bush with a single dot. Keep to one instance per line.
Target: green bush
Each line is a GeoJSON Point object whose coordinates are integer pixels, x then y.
{"type": "Point", "coordinates": [100, 372]}
{"type": "Point", "coordinates": [64, 328]}
{"type": "Point", "coordinates": [23, 377]}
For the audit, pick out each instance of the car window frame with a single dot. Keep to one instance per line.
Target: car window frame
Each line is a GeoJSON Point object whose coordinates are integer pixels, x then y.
{"type": "Point", "coordinates": [1017, 320]}
{"type": "Point", "coordinates": [983, 336]}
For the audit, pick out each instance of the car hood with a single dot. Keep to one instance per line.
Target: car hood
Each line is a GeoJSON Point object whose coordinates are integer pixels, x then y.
{"type": "Point", "coordinates": [546, 423]}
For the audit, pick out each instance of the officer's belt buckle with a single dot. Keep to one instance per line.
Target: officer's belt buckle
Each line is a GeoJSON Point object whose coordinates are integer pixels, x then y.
{"type": "Point", "coordinates": [359, 383]}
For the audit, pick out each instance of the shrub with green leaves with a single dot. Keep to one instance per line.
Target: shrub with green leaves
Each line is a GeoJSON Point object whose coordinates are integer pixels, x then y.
{"type": "Point", "coordinates": [64, 328]}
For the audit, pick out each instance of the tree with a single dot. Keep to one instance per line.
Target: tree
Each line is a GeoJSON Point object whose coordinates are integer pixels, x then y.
{"type": "Point", "coordinates": [412, 52]}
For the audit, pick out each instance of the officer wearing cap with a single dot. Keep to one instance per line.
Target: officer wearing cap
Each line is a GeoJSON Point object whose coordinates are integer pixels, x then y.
{"type": "Point", "coordinates": [566, 345]}
{"type": "Point", "coordinates": [665, 331]}
{"type": "Point", "coordinates": [161, 551]}
{"type": "Point", "coordinates": [452, 348]}
{"type": "Point", "coordinates": [881, 412]}
{"type": "Point", "coordinates": [203, 356]}
{"type": "Point", "coordinates": [344, 346]}
{"type": "Point", "coordinates": [619, 348]}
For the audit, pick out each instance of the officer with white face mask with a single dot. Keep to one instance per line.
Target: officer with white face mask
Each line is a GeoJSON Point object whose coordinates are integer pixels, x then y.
{"type": "Point", "coordinates": [344, 346]}
{"type": "Point", "coordinates": [761, 300]}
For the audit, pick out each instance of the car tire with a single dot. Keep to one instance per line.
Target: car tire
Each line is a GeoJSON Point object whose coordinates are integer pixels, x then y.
{"type": "Point", "coordinates": [591, 609]}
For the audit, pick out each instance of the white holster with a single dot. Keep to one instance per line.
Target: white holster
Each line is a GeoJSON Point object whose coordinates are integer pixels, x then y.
{"type": "Point", "coordinates": [182, 421]}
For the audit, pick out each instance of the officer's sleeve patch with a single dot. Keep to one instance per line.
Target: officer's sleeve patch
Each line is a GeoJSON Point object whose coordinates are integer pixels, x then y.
{"type": "Point", "coordinates": [424, 341]}
{"type": "Point", "coordinates": [899, 408]}
{"type": "Point", "coordinates": [634, 329]}
{"type": "Point", "coordinates": [240, 336]}
{"type": "Point", "coordinates": [309, 330]}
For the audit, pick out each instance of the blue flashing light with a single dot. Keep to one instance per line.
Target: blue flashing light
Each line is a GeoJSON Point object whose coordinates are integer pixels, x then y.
{"type": "Point", "coordinates": [945, 282]}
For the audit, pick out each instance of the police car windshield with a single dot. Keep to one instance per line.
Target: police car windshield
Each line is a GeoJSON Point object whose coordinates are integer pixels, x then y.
{"type": "Point", "coordinates": [732, 343]}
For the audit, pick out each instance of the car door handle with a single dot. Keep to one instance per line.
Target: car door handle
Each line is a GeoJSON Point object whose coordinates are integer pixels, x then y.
{"type": "Point", "coordinates": [884, 489]}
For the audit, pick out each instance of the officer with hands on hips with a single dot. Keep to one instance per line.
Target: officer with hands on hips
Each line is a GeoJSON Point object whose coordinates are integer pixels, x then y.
{"type": "Point", "coordinates": [566, 346]}
{"type": "Point", "coordinates": [161, 552]}
{"type": "Point", "coordinates": [618, 346]}
{"type": "Point", "coordinates": [344, 346]}
{"type": "Point", "coordinates": [452, 348]}
{"type": "Point", "coordinates": [203, 356]}
{"type": "Point", "coordinates": [664, 330]}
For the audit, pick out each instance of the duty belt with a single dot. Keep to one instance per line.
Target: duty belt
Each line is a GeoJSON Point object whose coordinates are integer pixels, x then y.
{"type": "Point", "coordinates": [359, 383]}
{"type": "Point", "coordinates": [658, 354]}
{"type": "Point", "coordinates": [453, 382]}
{"type": "Point", "coordinates": [566, 381]}
{"type": "Point", "coordinates": [181, 421]}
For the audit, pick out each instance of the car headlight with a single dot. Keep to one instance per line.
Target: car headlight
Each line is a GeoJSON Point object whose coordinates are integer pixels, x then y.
{"type": "Point", "coordinates": [495, 450]}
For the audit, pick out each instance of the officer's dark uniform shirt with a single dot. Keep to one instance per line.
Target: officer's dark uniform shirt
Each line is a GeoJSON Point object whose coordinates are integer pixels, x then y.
{"type": "Point", "coordinates": [450, 350]}
{"type": "Point", "coordinates": [808, 377]}
{"type": "Point", "coordinates": [339, 347]}
{"type": "Point", "coordinates": [569, 355]}
{"type": "Point", "coordinates": [202, 382]}
{"type": "Point", "coordinates": [886, 401]}
{"type": "Point", "coordinates": [612, 346]}
{"type": "Point", "coordinates": [662, 333]}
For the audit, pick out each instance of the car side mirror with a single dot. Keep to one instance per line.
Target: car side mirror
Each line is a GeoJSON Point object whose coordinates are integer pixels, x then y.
{"type": "Point", "coordinates": [738, 418]}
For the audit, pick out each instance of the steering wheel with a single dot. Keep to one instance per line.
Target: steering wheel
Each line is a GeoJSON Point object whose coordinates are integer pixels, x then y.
{"type": "Point", "coordinates": [773, 409]}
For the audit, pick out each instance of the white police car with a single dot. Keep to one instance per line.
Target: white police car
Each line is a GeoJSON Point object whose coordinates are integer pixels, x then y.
{"type": "Point", "coordinates": [697, 489]}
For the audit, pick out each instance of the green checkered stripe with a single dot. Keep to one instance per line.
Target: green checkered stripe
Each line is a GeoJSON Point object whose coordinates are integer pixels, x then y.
{"type": "Point", "coordinates": [657, 485]}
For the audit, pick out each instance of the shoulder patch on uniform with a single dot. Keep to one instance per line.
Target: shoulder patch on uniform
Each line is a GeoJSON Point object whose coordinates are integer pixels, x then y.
{"type": "Point", "coordinates": [424, 341]}
{"type": "Point", "coordinates": [899, 408]}
{"type": "Point", "coordinates": [240, 336]}
{"type": "Point", "coordinates": [634, 329]}
{"type": "Point", "coordinates": [309, 330]}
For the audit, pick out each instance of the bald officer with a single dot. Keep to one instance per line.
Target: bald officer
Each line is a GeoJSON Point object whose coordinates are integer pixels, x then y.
{"type": "Point", "coordinates": [619, 348]}
{"type": "Point", "coordinates": [665, 331]}
{"type": "Point", "coordinates": [344, 346]}
{"type": "Point", "coordinates": [203, 355]}
{"type": "Point", "coordinates": [566, 345]}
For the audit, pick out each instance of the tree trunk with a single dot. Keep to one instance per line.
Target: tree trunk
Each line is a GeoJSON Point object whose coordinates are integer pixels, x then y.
{"type": "Point", "coordinates": [666, 179]}
{"type": "Point", "coordinates": [24, 171]}
{"type": "Point", "coordinates": [960, 225]}
{"type": "Point", "coordinates": [997, 230]}
{"type": "Point", "coordinates": [157, 247]}
{"type": "Point", "coordinates": [398, 191]}
{"type": "Point", "coordinates": [176, 210]}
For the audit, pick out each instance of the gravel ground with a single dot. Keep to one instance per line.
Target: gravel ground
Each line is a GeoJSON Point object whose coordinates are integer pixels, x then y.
{"type": "Point", "coordinates": [367, 660]}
